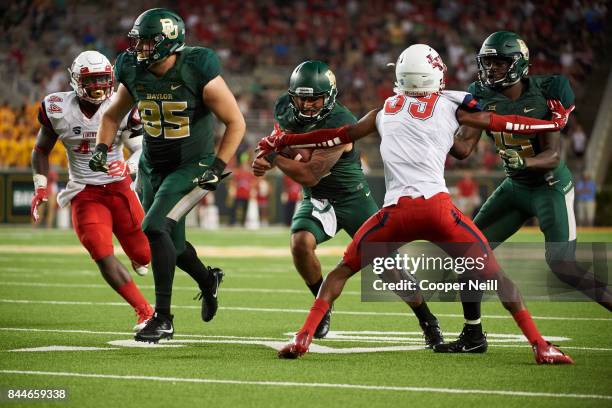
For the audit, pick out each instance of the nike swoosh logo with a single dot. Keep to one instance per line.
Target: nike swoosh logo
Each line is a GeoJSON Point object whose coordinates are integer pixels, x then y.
{"type": "Point", "coordinates": [214, 180]}
{"type": "Point", "coordinates": [173, 87]}
{"type": "Point", "coordinates": [528, 110]}
{"type": "Point", "coordinates": [552, 183]}
{"type": "Point", "coordinates": [464, 349]}
{"type": "Point", "coordinates": [169, 331]}
{"type": "Point", "coordinates": [202, 164]}
{"type": "Point", "coordinates": [368, 194]}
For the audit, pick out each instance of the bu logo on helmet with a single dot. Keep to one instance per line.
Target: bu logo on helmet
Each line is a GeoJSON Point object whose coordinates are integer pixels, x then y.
{"type": "Point", "coordinates": [169, 28]}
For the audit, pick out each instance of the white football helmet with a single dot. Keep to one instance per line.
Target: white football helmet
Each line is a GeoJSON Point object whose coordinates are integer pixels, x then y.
{"type": "Point", "coordinates": [91, 77]}
{"type": "Point", "coordinates": [419, 71]}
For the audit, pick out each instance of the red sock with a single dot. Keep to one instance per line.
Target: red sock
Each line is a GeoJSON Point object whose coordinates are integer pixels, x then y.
{"type": "Point", "coordinates": [130, 292]}
{"type": "Point", "coordinates": [318, 310]}
{"type": "Point", "coordinates": [528, 327]}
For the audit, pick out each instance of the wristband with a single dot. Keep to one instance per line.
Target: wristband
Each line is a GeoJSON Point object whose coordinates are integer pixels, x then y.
{"type": "Point", "coordinates": [40, 181]}
{"type": "Point", "coordinates": [218, 165]}
{"type": "Point", "coordinates": [270, 157]}
{"type": "Point", "coordinates": [101, 147]}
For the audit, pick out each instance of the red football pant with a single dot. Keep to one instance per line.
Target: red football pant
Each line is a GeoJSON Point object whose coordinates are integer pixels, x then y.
{"type": "Point", "coordinates": [100, 211]}
{"type": "Point", "coordinates": [435, 219]}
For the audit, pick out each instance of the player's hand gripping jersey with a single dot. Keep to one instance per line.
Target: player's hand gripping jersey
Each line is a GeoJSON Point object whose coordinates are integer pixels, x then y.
{"type": "Point", "coordinates": [60, 113]}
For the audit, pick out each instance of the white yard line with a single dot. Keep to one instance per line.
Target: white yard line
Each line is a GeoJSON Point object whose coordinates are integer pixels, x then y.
{"type": "Point", "coordinates": [334, 337]}
{"type": "Point", "coordinates": [186, 288]}
{"type": "Point", "coordinates": [432, 390]}
{"type": "Point", "coordinates": [283, 310]}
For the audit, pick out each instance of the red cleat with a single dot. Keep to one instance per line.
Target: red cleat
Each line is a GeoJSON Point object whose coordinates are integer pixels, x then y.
{"type": "Point", "coordinates": [143, 317]}
{"type": "Point", "coordinates": [297, 348]}
{"type": "Point", "coordinates": [547, 353]}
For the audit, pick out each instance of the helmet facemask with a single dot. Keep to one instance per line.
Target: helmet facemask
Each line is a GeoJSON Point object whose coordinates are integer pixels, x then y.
{"type": "Point", "coordinates": [302, 100]}
{"type": "Point", "coordinates": [489, 66]}
{"type": "Point", "coordinates": [96, 88]}
{"type": "Point", "coordinates": [147, 50]}
{"type": "Point", "coordinates": [91, 77]}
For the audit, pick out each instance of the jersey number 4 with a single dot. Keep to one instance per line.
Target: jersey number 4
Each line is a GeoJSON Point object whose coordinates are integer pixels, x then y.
{"type": "Point", "coordinates": [421, 109]}
{"type": "Point", "coordinates": [155, 117]}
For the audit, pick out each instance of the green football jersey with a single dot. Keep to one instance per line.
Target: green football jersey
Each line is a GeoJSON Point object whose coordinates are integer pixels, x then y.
{"type": "Point", "coordinates": [346, 176]}
{"type": "Point", "coordinates": [531, 103]}
{"type": "Point", "coordinates": [178, 126]}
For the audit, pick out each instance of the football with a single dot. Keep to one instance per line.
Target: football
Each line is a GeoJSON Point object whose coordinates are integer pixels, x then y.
{"type": "Point", "coordinates": [302, 155]}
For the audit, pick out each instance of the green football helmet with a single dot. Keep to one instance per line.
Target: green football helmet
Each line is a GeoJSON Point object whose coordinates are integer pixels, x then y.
{"type": "Point", "coordinates": [508, 46]}
{"type": "Point", "coordinates": [312, 79]}
{"type": "Point", "coordinates": [156, 34]}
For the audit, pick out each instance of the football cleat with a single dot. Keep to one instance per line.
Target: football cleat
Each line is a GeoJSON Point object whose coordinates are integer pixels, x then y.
{"type": "Point", "coordinates": [547, 353]}
{"type": "Point", "coordinates": [208, 294]}
{"type": "Point", "coordinates": [141, 270]}
{"type": "Point", "coordinates": [323, 327]}
{"type": "Point", "coordinates": [157, 328]}
{"type": "Point", "coordinates": [432, 333]}
{"type": "Point", "coordinates": [471, 340]}
{"type": "Point", "coordinates": [297, 348]}
{"type": "Point", "coordinates": [143, 317]}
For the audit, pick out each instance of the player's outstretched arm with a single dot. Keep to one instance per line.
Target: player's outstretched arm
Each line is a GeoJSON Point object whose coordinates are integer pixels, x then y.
{"type": "Point", "coordinates": [109, 123]}
{"type": "Point", "coordinates": [326, 138]}
{"type": "Point", "coordinates": [466, 140]}
{"type": "Point", "coordinates": [45, 141]}
{"type": "Point", "coordinates": [515, 123]}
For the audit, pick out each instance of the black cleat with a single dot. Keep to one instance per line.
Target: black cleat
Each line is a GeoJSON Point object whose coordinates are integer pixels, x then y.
{"type": "Point", "coordinates": [157, 328]}
{"type": "Point", "coordinates": [323, 327]}
{"type": "Point", "coordinates": [471, 340]}
{"type": "Point", "coordinates": [432, 333]}
{"type": "Point", "coordinates": [208, 294]}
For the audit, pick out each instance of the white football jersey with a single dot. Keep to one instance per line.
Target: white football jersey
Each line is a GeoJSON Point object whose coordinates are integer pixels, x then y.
{"type": "Point", "coordinates": [77, 133]}
{"type": "Point", "coordinates": [417, 134]}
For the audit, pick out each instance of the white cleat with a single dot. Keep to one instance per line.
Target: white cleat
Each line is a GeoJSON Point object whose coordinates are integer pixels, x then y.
{"type": "Point", "coordinates": [141, 270]}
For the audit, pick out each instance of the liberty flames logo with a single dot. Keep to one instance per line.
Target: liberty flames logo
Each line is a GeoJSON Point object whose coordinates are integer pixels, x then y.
{"type": "Point", "coordinates": [436, 62]}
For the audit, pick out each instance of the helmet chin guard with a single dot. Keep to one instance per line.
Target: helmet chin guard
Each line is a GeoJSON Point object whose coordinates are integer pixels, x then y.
{"type": "Point", "coordinates": [91, 77]}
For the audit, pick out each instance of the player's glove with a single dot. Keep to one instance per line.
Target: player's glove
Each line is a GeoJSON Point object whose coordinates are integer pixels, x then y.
{"type": "Point", "coordinates": [98, 160]}
{"type": "Point", "coordinates": [560, 115]}
{"type": "Point", "coordinates": [213, 175]}
{"type": "Point", "coordinates": [269, 143]}
{"type": "Point", "coordinates": [40, 195]}
{"type": "Point", "coordinates": [118, 168]}
{"type": "Point", "coordinates": [513, 159]}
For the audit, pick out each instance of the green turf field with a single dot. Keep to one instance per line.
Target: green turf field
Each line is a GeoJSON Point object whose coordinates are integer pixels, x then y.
{"type": "Point", "coordinates": [52, 295]}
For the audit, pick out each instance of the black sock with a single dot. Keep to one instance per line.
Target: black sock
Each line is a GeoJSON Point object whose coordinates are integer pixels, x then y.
{"type": "Point", "coordinates": [314, 288]}
{"type": "Point", "coordinates": [163, 261]}
{"type": "Point", "coordinates": [189, 262]}
{"type": "Point", "coordinates": [471, 310]}
{"type": "Point", "coordinates": [423, 313]}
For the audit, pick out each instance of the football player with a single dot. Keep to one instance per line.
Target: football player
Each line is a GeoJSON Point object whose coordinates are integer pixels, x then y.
{"type": "Point", "coordinates": [538, 182]}
{"type": "Point", "coordinates": [417, 126]}
{"type": "Point", "coordinates": [336, 193]}
{"type": "Point", "coordinates": [177, 89]}
{"type": "Point", "coordinates": [101, 204]}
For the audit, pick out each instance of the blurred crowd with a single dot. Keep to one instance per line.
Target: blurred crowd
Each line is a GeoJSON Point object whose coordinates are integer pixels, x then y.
{"type": "Point", "coordinates": [259, 42]}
